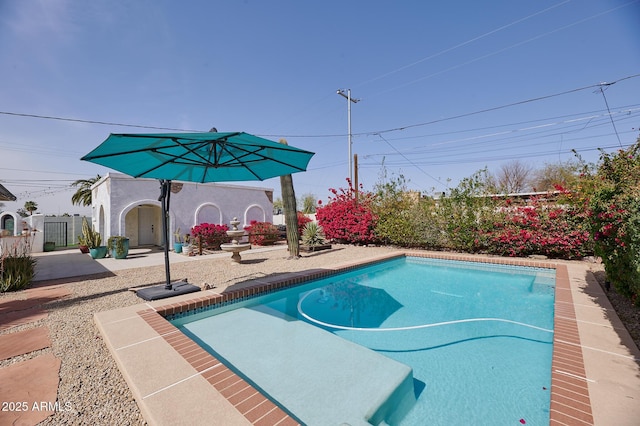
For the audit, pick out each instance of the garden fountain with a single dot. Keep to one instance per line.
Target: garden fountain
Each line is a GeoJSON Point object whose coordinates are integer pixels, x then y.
{"type": "Point", "coordinates": [234, 246]}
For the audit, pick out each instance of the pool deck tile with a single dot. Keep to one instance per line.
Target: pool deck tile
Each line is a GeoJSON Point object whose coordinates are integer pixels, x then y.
{"type": "Point", "coordinates": [590, 385]}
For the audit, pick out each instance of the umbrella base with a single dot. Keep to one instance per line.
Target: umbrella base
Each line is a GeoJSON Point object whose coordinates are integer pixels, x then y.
{"type": "Point", "coordinates": [160, 292]}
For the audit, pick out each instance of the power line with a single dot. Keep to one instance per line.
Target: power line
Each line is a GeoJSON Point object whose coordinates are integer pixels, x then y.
{"type": "Point", "coordinates": [464, 43]}
{"type": "Point", "coordinates": [411, 162]}
{"type": "Point", "coordinates": [468, 114]}
{"type": "Point", "coordinates": [504, 49]}
{"type": "Point", "coordinates": [607, 104]}
{"type": "Point", "coordinates": [368, 133]}
{"type": "Point", "coordinates": [105, 123]}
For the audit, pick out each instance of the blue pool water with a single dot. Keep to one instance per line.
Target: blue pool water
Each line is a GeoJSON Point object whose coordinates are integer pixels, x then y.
{"type": "Point", "coordinates": [477, 337]}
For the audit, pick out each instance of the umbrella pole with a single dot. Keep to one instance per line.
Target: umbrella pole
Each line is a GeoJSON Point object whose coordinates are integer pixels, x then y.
{"type": "Point", "coordinates": [165, 194]}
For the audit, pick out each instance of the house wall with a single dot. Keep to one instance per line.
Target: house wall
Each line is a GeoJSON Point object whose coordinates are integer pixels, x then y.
{"type": "Point", "coordinates": [121, 197]}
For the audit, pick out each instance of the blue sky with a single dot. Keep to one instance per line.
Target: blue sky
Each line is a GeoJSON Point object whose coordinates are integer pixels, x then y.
{"type": "Point", "coordinates": [446, 88]}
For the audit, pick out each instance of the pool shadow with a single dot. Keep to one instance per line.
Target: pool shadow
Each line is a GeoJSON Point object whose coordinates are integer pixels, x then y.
{"type": "Point", "coordinates": [418, 387]}
{"type": "Point", "coordinates": [320, 252]}
{"type": "Point", "coordinates": [600, 293]}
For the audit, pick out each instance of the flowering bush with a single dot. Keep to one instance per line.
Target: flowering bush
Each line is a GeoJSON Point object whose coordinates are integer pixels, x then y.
{"type": "Point", "coordinates": [302, 221]}
{"type": "Point", "coordinates": [611, 199]}
{"type": "Point", "coordinates": [262, 233]}
{"type": "Point", "coordinates": [553, 231]}
{"type": "Point", "coordinates": [346, 219]}
{"type": "Point", "coordinates": [210, 235]}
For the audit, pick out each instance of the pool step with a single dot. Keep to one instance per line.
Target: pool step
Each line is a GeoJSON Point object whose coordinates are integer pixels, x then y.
{"type": "Point", "coordinates": [319, 377]}
{"type": "Point", "coordinates": [544, 284]}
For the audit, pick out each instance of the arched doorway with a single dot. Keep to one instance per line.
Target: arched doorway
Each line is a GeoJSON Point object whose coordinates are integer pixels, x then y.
{"type": "Point", "coordinates": [8, 224]}
{"type": "Point", "coordinates": [149, 226]}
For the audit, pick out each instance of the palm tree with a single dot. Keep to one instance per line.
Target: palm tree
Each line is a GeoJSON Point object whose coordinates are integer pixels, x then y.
{"type": "Point", "coordinates": [83, 195]}
{"type": "Point", "coordinates": [31, 206]}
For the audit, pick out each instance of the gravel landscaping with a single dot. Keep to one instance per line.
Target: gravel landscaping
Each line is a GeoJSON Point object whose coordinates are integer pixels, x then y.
{"type": "Point", "coordinates": [90, 382]}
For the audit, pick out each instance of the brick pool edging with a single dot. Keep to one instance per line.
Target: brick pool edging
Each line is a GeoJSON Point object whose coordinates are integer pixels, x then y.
{"type": "Point", "coordinates": [570, 402]}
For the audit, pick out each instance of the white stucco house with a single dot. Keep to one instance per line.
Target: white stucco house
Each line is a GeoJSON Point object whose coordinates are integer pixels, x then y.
{"type": "Point", "coordinates": [122, 205]}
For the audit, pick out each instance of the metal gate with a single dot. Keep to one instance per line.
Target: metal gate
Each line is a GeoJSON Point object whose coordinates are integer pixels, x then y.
{"type": "Point", "coordinates": [56, 232]}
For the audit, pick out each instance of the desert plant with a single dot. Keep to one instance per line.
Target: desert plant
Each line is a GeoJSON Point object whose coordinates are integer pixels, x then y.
{"type": "Point", "coordinates": [17, 267]}
{"type": "Point", "coordinates": [89, 237]}
{"type": "Point", "coordinates": [313, 234]}
{"type": "Point", "coordinates": [178, 236]}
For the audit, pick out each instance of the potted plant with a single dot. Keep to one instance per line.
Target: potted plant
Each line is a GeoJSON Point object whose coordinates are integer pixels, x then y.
{"type": "Point", "coordinates": [92, 240]}
{"type": "Point", "coordinates": [82, 245]}
{"type": "Point", "coordinates": [313, 238]}
{"type": "Point", "coordinates": [187, 247]}
{"type": "Point", "coordinates": [177, 242]}
{"type": "Point", "coordinates": [119, 246]}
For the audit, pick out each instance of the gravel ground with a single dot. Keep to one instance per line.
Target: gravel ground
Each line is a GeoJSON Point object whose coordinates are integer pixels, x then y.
{"type": "Point", "coordinates": [90, 381]}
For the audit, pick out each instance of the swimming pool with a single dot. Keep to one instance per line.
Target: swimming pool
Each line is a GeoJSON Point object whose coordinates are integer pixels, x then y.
{"type": "Point", "coordinates": [477, 338]}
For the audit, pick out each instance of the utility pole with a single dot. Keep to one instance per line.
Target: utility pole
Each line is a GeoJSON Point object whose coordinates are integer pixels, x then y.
{"type": "Point", "coordinates": [349, 99]}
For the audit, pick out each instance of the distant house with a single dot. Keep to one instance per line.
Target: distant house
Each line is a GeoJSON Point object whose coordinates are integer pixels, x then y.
{"type": "Point", "coordinates": [122, 205]}
{"type": "Point", "coordinates": [5, 195]}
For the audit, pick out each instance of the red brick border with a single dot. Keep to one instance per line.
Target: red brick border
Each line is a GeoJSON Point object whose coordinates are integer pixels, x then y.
{"type": "Point", "coordinates": [570, 402]}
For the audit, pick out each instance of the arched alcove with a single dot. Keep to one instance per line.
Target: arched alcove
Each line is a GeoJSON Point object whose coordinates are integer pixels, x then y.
{"type": "Point", "coordinates": [254, 212]}
{"type": "Point", "coordinates": [208, 213]}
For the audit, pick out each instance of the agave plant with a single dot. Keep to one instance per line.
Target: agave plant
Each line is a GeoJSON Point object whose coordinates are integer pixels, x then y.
{"type": "Point", "coordinates": [313, 234]}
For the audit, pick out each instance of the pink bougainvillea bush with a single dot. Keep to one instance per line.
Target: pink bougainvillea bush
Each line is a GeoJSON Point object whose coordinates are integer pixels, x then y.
{"type": "Point", "coordinates": [262, 233]}
{"type": "Point", "coordinates": [302, 221]}
{"type": "Point", "coordinates": [346, 219]}
{"type": "Point", "coordinates": [556, 231]}
{"type": "Point", "coordinates": [210, 235]}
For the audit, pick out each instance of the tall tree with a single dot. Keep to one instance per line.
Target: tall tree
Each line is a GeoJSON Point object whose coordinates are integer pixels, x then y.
{"type": "Point", "coordinates": [31, 206]}
{"type": "Point", "coordinates": [308, 203]}
{"type": "Point", "coordinates": [83, 194]}
{"type": "Point", "coordinates": [564, 174]}
{"type": "Point", "coordinates": [514, 177]}
{"type": "Point", "coordinates": [290, 213]}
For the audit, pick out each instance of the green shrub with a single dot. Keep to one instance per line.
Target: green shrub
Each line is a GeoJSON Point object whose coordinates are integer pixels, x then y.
{"type": "Point", "coordinates": [611, 196]}
{"type": "Point", "coordinates": [468, 213]}
{"type": "Point", "coordinates": [404, 218]}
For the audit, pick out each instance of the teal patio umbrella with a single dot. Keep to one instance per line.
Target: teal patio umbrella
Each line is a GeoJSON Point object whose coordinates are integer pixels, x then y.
{"type": "Point", "coordinates": [196, 157]}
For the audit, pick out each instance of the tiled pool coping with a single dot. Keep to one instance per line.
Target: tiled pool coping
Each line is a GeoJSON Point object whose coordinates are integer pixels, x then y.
{"type": "Point", "coordinates": [570, 402]}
